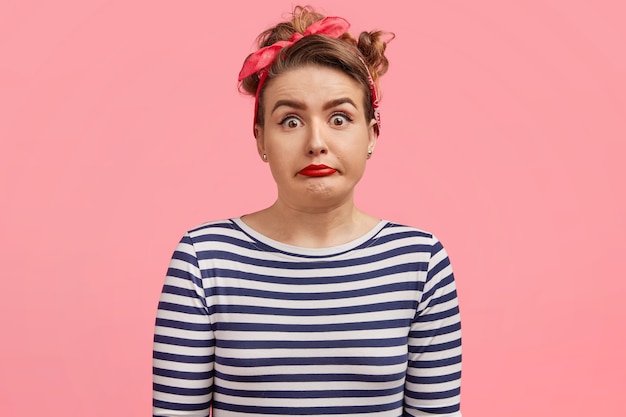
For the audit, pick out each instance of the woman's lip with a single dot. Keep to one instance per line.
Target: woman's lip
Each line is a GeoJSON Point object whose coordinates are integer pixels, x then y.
{"type": "Point", "coordinates": [317, 171]}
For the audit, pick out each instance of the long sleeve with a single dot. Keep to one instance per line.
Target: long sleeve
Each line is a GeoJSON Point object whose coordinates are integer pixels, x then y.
{"type": "Point", "coordinates": [434, 374]}
{"type": "Point", "coordinates": [184, 345]}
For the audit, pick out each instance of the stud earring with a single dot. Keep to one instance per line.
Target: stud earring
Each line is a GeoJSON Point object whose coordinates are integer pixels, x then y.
{"type": "Point", "coordinates": [369, 153]}
{"type": "Point", "coordinates": [264, 157]}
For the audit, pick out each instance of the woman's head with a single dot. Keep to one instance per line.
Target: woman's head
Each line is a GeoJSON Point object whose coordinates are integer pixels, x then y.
{"type": "Point", "coordinates": [291, 45]}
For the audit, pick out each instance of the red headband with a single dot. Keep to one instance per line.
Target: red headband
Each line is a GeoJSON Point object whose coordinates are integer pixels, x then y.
{"type": "Point", "coordinates": [259, 61]}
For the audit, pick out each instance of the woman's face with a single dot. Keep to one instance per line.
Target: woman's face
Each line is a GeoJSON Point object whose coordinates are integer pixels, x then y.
{"type": "Point", "coordinates": [316, 136]}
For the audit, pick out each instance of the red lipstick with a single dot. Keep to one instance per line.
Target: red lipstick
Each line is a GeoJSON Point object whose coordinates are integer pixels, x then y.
{"type": "Point", "coordinates": [317, 171]}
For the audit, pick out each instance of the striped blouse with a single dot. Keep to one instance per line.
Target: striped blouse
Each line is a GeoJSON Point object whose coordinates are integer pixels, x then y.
{"type": "Point", "coordinates": [247, 326]}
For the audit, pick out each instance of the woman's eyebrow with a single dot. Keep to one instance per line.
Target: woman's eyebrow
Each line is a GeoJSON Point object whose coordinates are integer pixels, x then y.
{"type": "Point", "coordinates": [289, 103]}
{"type": "Point", "coordinates": [301, 106]}
{"type": "Point", "coordinates": [339, 101]}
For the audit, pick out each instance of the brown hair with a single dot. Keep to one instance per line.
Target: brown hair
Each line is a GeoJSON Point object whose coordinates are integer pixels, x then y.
{"type": "Point", "coordinates": [344, 54]}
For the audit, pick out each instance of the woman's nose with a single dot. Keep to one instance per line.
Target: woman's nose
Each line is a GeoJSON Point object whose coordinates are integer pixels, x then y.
{"type": "Point", "coordinates": [316, 143]}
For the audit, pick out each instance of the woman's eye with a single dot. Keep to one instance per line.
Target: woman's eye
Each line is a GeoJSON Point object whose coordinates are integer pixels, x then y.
{"type": "Point", "coordinates": [339, 119]}
{"type": "Point", "coordinates": [290, 122]}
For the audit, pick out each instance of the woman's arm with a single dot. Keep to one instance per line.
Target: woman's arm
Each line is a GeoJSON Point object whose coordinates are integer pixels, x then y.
{"type": "Point", "coordinates": [433, 381]}
{"type": "Point", "coordinates": [184, 345]}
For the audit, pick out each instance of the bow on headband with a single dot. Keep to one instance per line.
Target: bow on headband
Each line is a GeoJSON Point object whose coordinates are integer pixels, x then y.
{"type": "Point", "coordinates": [333, 27]}
{"type": "Point", "coordinates": [259, 61]}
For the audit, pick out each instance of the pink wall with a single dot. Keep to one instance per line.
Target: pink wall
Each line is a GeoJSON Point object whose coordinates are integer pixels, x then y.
{"type": "Point", "coordinates": [504, 129]}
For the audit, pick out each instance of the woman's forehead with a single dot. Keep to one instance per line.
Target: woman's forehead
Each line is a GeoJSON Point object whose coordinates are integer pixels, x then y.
{"type": "Point", "coordinates": [314, 83]}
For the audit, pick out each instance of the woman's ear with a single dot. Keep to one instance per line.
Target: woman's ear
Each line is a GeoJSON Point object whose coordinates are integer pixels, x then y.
{"type": "Point", "coordinates": [260, 141]}
{"type": "Point", "coordinates": [373, 134]}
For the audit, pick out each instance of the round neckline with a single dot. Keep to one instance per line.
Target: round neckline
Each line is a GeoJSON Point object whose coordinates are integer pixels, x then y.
{"type": "Point", "coordinates": [304, 251]}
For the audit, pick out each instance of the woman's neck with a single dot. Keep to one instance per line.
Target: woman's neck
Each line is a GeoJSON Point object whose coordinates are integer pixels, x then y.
{"type": "Point", "coordinates": [311, 227]}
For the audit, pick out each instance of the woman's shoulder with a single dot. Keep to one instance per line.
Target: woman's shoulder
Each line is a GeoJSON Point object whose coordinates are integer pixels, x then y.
{"type": "Point", "coordinates": [403, 230]}
{"type": "Point", "coordinates": [212, 226]}
{"type": "Point", "coordinates": [217, 235]}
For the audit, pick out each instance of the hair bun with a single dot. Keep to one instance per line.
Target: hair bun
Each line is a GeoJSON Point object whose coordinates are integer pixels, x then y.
{"type": "Point", "coordinates": [372, 46]}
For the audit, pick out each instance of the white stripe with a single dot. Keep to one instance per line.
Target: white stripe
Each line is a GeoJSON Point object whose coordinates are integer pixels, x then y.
{"type": "Point", "coordinates": [313, 336]}
{"type": "Point", "coordinates": [378, 352]}
{"type": "Point", "coordinates": [311, 402]}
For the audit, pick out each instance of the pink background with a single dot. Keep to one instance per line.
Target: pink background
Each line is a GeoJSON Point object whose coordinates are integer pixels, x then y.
{"type": "Point", "coordinates": [504, 129]}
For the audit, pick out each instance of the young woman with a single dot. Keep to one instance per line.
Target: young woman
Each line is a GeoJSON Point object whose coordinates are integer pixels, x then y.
{"type": "Point", "coordinates": [310, 306]}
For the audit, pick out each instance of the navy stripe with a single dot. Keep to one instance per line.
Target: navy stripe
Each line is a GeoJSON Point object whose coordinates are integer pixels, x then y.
{"type": "Point", "coordinates": [430, 333]}
{"type": "Point", "coordinates": [223, 224]}
{"type": "Point", "coordinates": [312, 328]}
{"type": "Point", "coordinates": [317, 280]}
{"type": "Point", "coordinates": [186, 292]}
{"type": "Point", "coordinates": [335, 295]}
{"type": "Point", "coordinates": [183, 358]}
{"type": "Point", "coordinates": [306, 411]}
{"type": "Point", "coordinates": [165, 306]}
{"type": "Point", "coordinates": [305, 360]}
{"type": "Point", "coordinates": [310, 344]}
{"type": "Point", "coordinates": [434, 395]}
{"type": "Point", "coordinates": [168, 340]}
{"type": "Point", "coordinates": [316, 312]}
{"type": "Point", "coordinates": [185, 257]}
{"type": "Point", "coordinates": [397, 236]}
{"type": "Point", "coordinates": [175, 324]}
{"type": "Point", "coordinates": [190, 376]}
{"type": "Point", "coordinates": [440, 363]}
{"type": "Point", "coordinates": [438, 347]}
{"type": "Point", "coordinates": [315, 264]}
{"type": "Point", "coordinates": [439, 315]}
{"type": "Point", "coordinates": [180, 407]}
{"type": "Point", "coordinates": [301, 377]}
{"type": "Point", "coordinates": [439, 379]}
{"type": "Point", "coordinates": [240, 243]}
{"type": "Point", "coordinates": [180, 391]}
{"type": "Point", "coordinates": [440, 411]}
